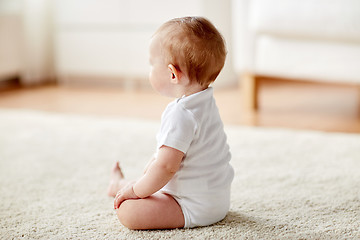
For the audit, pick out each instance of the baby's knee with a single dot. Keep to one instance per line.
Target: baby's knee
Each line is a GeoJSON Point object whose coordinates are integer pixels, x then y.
{"type": "Point", "coordinates": [128, 215]}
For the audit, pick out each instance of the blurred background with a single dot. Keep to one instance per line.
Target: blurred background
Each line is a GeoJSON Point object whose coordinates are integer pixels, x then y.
{"type": "Point", "coordinates": [93, 40]}
{"type": "Point", "coordinates": [290, 63]}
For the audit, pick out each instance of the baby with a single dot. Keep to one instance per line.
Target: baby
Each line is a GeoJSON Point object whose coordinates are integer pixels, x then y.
{"type": "Point", "coordinates": [187, 183]}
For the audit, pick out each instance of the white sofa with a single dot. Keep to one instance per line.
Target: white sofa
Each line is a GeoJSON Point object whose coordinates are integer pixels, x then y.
{"type": "Point", "coordinates": [312, 40]}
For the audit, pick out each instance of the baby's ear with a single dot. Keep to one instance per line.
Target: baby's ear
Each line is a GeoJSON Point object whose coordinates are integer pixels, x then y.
{"type": "Point", "coordinates": [175, 74]}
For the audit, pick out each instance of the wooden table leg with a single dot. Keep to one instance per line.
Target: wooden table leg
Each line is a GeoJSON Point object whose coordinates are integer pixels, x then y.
{"type": "Point", "coordinates": [249, 86]}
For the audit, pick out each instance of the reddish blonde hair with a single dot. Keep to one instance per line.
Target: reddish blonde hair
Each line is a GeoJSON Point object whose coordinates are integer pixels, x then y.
{"type": "Point", "coordinates": [194, 46]}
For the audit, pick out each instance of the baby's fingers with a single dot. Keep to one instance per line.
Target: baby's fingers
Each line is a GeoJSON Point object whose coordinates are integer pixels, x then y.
{"type": "Point", "coordinates": [117, 201]}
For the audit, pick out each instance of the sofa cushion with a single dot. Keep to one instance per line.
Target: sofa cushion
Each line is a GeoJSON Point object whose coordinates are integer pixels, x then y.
{"type": "Point", "coordinates": [307, 59]}
{"type": "Point", "coordinates": [317, 19]}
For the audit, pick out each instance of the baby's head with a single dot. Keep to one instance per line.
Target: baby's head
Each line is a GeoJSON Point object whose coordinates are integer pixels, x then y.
{"type": "Point", "coordinates": [194, 46]}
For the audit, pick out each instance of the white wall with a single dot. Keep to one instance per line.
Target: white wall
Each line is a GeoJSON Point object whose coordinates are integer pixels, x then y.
{"type": "Point", "coordinates": [101, 38]}
{"type": "Point", "coordinates": [38, 42]}
{"type": "Point", "coordinates": [110, 38]}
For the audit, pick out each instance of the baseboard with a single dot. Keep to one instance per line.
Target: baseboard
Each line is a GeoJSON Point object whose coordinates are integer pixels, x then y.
{"type": "Point", "coordinates": [125, 82]}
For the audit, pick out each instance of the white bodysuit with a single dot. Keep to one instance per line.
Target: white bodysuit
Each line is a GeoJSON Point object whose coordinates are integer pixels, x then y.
{"type": "Point", "coordinates": [201, 186]}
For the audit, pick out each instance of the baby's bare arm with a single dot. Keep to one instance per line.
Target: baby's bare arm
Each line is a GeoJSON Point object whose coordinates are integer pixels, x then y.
{"type": "Point", "coordinates": [159, 172]}
{"type": "Point", "coordinates": [148, 164]}
{"type": "Point", "coordinates": [157, 175]}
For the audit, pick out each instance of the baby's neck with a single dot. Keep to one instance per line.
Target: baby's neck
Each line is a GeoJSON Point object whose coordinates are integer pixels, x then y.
{"type": "Point", "coordinates": [191, 89]}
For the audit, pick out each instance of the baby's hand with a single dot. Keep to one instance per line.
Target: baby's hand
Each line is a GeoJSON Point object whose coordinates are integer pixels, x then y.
{"type": "Point", "coordinates": [124, 194]}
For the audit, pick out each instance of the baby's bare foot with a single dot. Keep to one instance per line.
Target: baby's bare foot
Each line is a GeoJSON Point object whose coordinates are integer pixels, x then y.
{"type": "Point", "coordinates": [116, 180]}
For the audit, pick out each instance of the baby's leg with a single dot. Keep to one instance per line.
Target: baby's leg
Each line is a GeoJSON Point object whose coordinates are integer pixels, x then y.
{"type": "Point", "coordinates": [117, 180]}
{"type": "Point", "coordinates": [159, 211]}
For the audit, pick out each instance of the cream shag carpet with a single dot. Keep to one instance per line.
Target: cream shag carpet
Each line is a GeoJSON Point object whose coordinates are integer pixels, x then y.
{"type": "Point", "coordinates": [54, 171]}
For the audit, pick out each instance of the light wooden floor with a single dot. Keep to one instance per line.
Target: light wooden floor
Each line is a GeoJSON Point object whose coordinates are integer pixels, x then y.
{"type": "Point", "coordinates": [282, 104]}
